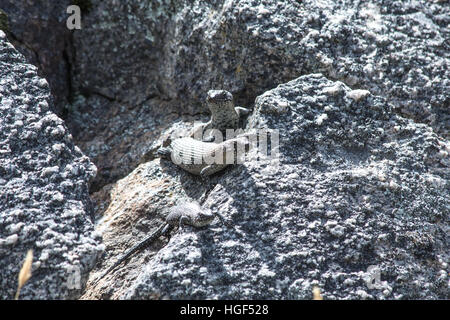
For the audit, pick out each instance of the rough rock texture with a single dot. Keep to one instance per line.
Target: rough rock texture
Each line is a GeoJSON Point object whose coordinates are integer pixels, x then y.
{"type": "Point", "coordinates": [4, 25]}
{"type": "Point", "coordinates": [181, 48]}
{"type": "Point", "coordinates": [44, 200]}
{"type": "Point", "coordinates": [119, 139]}
{"type": "Point", "coordinates": [137, 205]}
{"type": "Point", "coordinates": [120, 49]}
{"type": "Point", "coordinates": [138, 54]}
{"type": "Point", "coordinates": [132, 53]}
{"type": "Point", "coordinates": [38, 30]}
{"type": "Point", "coordinates": [356, 186]}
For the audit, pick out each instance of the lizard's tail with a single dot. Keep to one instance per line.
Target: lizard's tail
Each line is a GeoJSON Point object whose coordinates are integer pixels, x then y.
{"type": "Point", "coordinates": [162, 230]}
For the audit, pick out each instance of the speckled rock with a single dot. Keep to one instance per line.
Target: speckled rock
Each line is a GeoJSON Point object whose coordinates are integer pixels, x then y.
{"type": "Point", "coordinates": [120, 49]}
{"type": "Point", "coordinates": [38, 30]}
{"type": "Point", "coordinates": [357, 191]}
{"type": "Point", "coordinates": [179, 49]}
{"type": "Point", "coordinates": [136, 206]}
{"type": "Point", "coordinates": [149, 55]}
{"type": "Point", "coordinates": [138, 66]}
{"type": "Point", "coordinates": [44, 200]}
{"type": "Point", "coordinates": [133, 55]}
{"type": "Point", "coordinates": [117, 141]}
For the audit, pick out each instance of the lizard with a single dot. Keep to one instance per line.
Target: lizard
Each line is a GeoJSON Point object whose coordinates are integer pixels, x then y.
{"type": "Point", "coordinates": [205, 158]}
{"type": "Point", "coordinates": [224, 115]}
{"type": "Point", "coordinates": [186, 213]}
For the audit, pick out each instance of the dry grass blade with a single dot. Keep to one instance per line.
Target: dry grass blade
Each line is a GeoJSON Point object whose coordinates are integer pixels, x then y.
{"type": "Point", "coordinates": [25, 272]}
{"type": "Point", "coordinates": [316, 294]}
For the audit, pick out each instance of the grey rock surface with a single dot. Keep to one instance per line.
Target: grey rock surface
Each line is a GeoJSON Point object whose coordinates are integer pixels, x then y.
{"type": "Point", "coordinates": [140, 54]}
{"type": "Point", "coordinates": [44, 199]}
{"type": "Point", "coordinates": [119, 139]}
{"type": "Point", "coordinates": [179, 49]}
{"type": "Point", "coordinates": [356, 187]}
{"type": "Point", "coordinates": [132, 54]}
{"type": "Point", "coordinates": [358, 192]}
{"type": "Point", "coordinates": [38, 30]}
{"type": "Point", "coordinates": [121, 50]}
{"type": "Point", "coordinates": [132, 208]}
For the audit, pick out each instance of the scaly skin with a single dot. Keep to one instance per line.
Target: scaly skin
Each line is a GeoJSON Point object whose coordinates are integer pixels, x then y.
{"type": "Point", "coordinates": [197, 157]}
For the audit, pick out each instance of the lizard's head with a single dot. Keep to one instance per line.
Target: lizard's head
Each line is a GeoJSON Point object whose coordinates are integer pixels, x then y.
{"type": "Point", "coordinates": [219, 99]}
{"type": "Point", "coordinates": [199, 216]}
{"type": "Point", "coordinates": [205, 217]}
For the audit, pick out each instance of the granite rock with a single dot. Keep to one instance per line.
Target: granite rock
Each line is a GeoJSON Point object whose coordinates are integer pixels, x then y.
{"type": "Point", "coordinates": [361, 187]}
{"type": "Point", "coordinates": [357, 191]}
{"type": "Point", "coordinates": [132, 55]}
{"type": "Point", "coordinates": [44, 199]}
{"type": "Point", "coordinates": [38, 30]}
{"type": "Point", "coordinates": [133, 50]}
{"type": "Point", "coordinates": [138, 55]}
